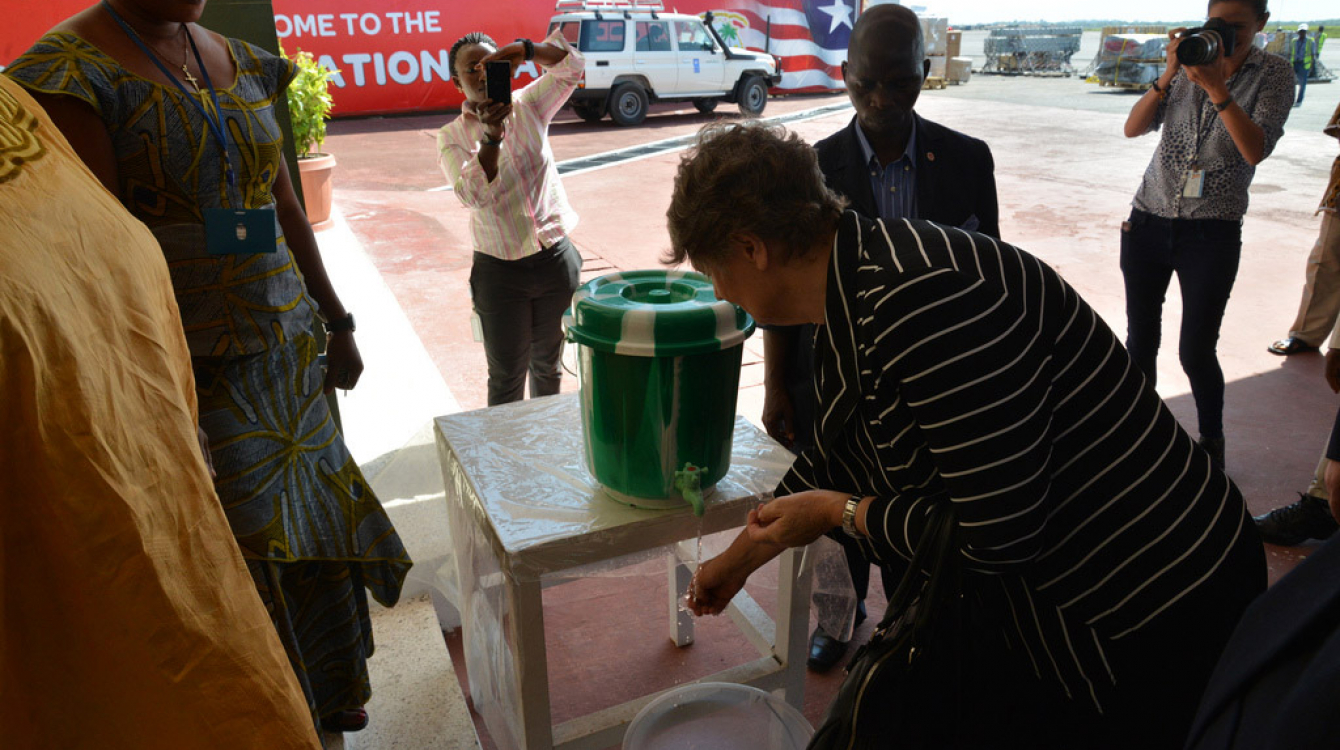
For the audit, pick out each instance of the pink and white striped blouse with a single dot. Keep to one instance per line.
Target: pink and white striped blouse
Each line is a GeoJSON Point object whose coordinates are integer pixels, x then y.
{"type": "Point", "coordinates": [524, 208]}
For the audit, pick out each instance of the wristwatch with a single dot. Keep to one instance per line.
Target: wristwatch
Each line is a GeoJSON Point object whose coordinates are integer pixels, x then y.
{"type": "Point", "coordinates": [849, 517]}
{"type": "Point", "coordinates": [341, 324]}
{"type": "Point", "coordinates": [1225, 104]}
{"type": "Point", "coordinates": [489, 140]}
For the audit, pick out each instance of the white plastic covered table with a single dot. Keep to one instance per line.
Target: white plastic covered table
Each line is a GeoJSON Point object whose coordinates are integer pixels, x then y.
{"type": "Point", "coordinates": [523, 511]}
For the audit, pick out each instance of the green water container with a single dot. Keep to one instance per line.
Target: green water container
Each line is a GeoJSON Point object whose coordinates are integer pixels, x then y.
{"type": "Point", "coordinates": [659, 367]}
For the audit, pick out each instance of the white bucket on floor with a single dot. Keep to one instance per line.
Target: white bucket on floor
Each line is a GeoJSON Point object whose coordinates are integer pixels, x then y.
{"type": "Point", "coordinates": [718, 716]}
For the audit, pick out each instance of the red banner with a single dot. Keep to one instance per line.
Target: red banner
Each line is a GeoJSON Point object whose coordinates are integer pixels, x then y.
{"type": "Point", "coordinates": [391, 54]}
{"type": "Point", "coordinates": [20, 30]}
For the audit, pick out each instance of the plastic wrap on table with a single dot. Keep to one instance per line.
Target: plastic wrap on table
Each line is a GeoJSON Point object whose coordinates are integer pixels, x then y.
{"type": "Point", "coordinates": [522, 507]}
{"type": "Point", "coordinates": [546, 513]}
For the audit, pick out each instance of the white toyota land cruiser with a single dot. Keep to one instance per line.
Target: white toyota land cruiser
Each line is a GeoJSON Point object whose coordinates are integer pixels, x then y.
{"type": "Point", "coordinates": [637, 54]}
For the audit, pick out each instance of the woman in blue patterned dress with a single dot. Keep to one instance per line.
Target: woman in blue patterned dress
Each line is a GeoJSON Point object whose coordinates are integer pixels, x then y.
{"type": "Point", "coordinates": [179, 123]}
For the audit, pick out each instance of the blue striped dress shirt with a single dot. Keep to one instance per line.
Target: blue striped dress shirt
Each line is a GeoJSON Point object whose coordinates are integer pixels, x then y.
{"type": "Point", "coordinates": [895, 185]}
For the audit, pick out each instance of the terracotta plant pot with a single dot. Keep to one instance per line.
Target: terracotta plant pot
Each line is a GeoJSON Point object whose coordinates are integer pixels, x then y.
{"type": "Point", "coordinates": [317, 170]}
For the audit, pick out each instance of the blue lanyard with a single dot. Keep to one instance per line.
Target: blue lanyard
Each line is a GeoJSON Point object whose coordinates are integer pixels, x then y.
{"type": "Point", "coordinates": [215, 121]}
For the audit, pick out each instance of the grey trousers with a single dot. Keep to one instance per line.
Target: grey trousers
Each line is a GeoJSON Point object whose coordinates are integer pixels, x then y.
{"type": "Point", "coordinates": [520, 304]}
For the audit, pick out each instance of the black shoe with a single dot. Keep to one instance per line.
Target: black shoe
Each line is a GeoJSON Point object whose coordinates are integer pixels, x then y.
{"type": "Point", "coordinates": [348, 720]}
{"type": "Point", "coordinates": [1214, 447]}
{"type": "Point", "coordinates": [1291, 345]}
{"type": "Point", "coordinates": [825, 650]}
{"type": "Point", "coordinates": [1309, 518]}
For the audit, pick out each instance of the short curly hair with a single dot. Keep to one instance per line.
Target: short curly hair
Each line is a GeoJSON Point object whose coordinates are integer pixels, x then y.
{"type": "Point", "coordinates": [474, 37]}
{"type": "Point", "coordinates": [750, 178]}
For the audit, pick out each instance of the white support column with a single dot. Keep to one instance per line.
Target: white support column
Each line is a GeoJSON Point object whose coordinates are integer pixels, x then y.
{"type": "Point", "coordinates": [793, 622]}
{"type": "Point", "coordinates": [531, 665]}
{"type": "Point", "coordinates": [679, 577]}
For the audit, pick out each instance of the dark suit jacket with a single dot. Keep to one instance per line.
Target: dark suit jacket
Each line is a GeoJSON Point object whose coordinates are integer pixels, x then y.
{"type": "Point", "coordinates": [1278, 681]}
{"type": "Point", "coordinates": [956, 183]}
{"type": "Point", "coordinates": [956, 186]}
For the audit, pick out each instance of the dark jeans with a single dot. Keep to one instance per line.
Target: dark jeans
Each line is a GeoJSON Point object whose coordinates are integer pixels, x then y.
{"type": "Point", "coordinates": [1204, 255]}
{"type": "Point", "coordinates": [520, 304]}
{"type": "Point", "coordinates": [1300, 72]}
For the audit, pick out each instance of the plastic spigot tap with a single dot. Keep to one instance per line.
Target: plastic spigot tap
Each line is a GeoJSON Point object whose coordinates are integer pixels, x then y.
{"type": "Point", "coordinates": [689, 482]}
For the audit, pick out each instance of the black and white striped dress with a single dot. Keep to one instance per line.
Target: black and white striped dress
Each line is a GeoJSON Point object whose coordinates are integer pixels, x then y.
{"type": "Point", "coordinates": [957, 368]}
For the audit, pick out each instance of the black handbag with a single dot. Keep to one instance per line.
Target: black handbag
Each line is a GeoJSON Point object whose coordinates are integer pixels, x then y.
{"type": "Point", "coordinates": [902, 687]}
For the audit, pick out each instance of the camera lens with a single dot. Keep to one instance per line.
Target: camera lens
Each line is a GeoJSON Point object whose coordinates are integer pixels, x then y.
{"type": "Point", "coordinates": [1197, 49]}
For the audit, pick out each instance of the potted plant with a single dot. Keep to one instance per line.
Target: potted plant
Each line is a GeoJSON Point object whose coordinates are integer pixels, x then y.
{"type": "Point", "coordinates": [309, 106]}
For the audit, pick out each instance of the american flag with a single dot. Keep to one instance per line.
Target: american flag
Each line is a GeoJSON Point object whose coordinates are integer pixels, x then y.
{"type": "Point", "coordinates": [809, 35]}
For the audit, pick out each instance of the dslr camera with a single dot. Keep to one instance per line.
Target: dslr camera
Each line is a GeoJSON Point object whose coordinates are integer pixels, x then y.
{"type": "Point", "coordinates": [1201, 45]}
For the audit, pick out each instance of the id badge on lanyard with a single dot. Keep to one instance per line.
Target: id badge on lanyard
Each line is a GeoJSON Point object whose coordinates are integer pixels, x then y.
{"type": "Point", "coordinates": [240, 231]}
{"type": "Point", "coordinates": [1194, 187]}
{"type": "Point", "coordinates": [228, 231]}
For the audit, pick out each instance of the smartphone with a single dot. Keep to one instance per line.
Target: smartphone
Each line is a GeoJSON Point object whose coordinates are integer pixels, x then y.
{"type": "Point", "coordinates": [498, 80]}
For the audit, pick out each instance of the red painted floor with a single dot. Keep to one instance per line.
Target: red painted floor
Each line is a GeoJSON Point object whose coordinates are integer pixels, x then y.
{"type": "Point", "coordinates": [1065, 179]}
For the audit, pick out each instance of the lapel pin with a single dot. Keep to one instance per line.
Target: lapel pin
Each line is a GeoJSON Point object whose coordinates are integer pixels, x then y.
{"type": "Point", "coordinates": [930, 156]}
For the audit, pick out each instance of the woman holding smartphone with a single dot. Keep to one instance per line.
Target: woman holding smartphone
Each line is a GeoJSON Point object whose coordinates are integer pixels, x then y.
{"type": "Point", "coordinates": [1219, 119]}
{"type": "Point", "coordinates": [497, 157]}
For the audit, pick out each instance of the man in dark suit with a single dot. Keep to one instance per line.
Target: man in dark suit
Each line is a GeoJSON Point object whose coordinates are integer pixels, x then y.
{"type": "Point", "coordinates": [890, 164]}
{"type": "Point", "coordinates": [1276, 683]}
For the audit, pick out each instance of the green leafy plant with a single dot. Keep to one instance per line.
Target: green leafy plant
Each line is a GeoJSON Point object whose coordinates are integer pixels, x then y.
{"type": "Point", "coordinates": [309, 102]}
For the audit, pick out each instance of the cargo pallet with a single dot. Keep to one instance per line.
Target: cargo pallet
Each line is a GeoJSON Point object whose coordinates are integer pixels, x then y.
{"type": "Point", "coordinates": [1041, 51]}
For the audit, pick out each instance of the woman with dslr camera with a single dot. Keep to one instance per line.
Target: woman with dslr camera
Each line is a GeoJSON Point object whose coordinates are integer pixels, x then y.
{"type": "Point", "coordinates": [1221, 104]}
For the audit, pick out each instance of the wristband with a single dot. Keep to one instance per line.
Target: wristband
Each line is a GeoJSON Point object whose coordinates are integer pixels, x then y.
{"type": "Point", "coordinates": [489, 140]}
{"type": "Point", "coordinates": [530, 47]}
{"type": "Point", "coordinates": [1162, 92]}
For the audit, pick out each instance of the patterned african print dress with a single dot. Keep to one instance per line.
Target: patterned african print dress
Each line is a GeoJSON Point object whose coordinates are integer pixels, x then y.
{"type": "Point", "coordinates": [310, 528]}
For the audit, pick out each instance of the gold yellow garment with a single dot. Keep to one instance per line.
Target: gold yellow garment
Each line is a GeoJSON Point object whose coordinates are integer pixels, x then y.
{"type": "Point", "coordinates": [127, 618]}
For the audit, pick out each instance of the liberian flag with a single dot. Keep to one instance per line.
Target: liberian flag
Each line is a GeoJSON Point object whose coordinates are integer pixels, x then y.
{"type": "Point", "coordinates": [809, 35]}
